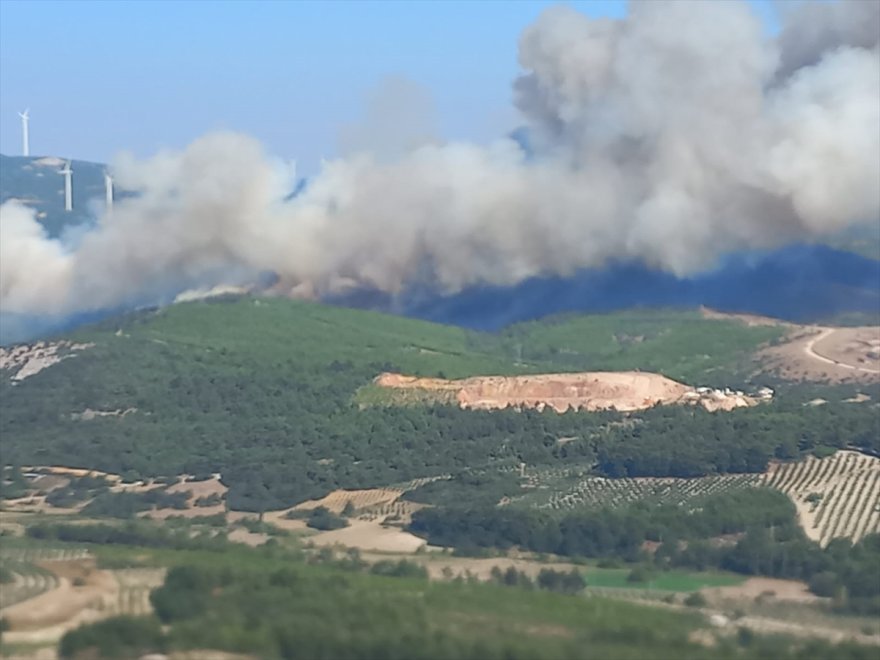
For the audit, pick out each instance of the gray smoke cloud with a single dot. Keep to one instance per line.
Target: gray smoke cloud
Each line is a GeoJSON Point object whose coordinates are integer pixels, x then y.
{"type": "Point", "coordinates": [398, 118]}
{"type": "Point", "coordinates": [812, 29]}
{"type": "Point", "coordinates": [671, 136]}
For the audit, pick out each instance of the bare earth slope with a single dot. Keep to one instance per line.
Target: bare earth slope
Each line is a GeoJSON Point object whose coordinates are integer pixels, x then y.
{"type": "Point", "coordinates": [623, 391]}
{"type": "Point", "coordinates": [830, 354]}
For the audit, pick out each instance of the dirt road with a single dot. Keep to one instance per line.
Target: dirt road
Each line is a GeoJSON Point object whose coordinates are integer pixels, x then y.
{"type": "Point", "coordinates": [826, 333]}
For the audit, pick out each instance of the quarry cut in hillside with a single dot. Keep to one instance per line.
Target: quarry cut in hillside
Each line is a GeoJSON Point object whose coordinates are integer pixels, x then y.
{"type": "Point", "coordinates": [590, 391]}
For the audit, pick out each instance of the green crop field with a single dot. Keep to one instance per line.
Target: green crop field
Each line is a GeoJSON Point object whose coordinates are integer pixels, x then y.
{"type": "Point", "coordinates": [618, 578]}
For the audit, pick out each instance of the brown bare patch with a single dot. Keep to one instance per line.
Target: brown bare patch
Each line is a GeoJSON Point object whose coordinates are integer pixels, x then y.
{"type": "Point", "coordinates": [560, 392]}
{"type": "Point", "coordinates": [600, 390]}
{"type": "Point", "coordinates": [199, 489]}
{"type": "Point", "coordinates": [370, 535]}
{"type": "Point", "coordinates": [783, 590]}
{"type": "Point", "coordinates": [360, 499]}
{"type": "Point", "coordinates": [67, 604]}
{"type": "Point", "coordinates": [253, 539]}
{"type": "Point", "coordinates": [826, 354]}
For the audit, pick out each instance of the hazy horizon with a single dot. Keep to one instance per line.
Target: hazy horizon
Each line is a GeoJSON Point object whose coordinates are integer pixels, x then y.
{"type": "Point", "coordinates": [292, 75]}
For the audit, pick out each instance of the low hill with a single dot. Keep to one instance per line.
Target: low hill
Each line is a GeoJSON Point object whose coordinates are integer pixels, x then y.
{"type": "Point", "coordinates": [263, 391]}
{"type": "Point", "coordinates": [683, 345]}
{"type": "Point", "coordinates": [799, 283]}
{"type": "Point", "coordinates": [839, 280]}
{"type": "Point", "coordinates": [35, 181]}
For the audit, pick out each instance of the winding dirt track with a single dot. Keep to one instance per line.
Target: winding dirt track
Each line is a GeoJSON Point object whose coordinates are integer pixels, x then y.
{"type": "Point", "coordinates": [825, 333]}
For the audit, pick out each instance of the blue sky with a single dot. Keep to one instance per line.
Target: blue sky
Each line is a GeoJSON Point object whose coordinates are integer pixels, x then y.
{"type": "Point", "coordinates": [100, 77]}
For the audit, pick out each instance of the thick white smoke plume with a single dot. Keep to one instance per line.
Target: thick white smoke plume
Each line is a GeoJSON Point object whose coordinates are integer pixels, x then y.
{"type": "Point", "coordinates": [671, 136]}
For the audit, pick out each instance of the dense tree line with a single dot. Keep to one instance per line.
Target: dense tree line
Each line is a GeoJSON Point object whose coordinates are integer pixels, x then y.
{"type": "Point", "coordinates": [129, 504]}
{"type": "Point", "coordinates": [766, 540]}
{"type": "Point", "coordinates": [116, 637]}
{"type": "Point", "coordinates": [134, 532]}
{"type": "Point", "coordinates": [12, 483]}
{"type": "Point", "coordinates": [566, 582]}
{"type": "Point", "coordinates": [77, 491]}
{"type": "Point", "coordinates": [270, 609]}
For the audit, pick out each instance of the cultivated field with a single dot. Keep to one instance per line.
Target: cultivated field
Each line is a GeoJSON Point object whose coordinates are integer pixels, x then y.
{"type": "Point", "coordinates": [28, 578]}
{"type": "Point", "coordinates": [359, 499]}
{"type": "Point", "coordinates": [837, 496]}
{"type": "Point", "coordinates": [55, 590]}
{"type": "Point", "coordinates": [561, 489]}
{"type": "Point", "coordinates": [371, 503]}
{"type": "Point", "coordinates": [370, 535]}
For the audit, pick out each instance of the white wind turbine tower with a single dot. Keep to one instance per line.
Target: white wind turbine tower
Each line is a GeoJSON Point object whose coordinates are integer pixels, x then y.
{"type": "Point", "coordinates": [25, 145]}
{"type": "Point", "coordinates": [108, 189]}
{"type": "Point", "coordinates": [68, 188]}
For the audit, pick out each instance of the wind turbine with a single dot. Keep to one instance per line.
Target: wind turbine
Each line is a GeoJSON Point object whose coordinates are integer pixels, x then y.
{"type": "Point", "coordinates": [68, 188]}
{"type": "Point", "coordinates": [25, 145]}
{"type": "Point", "coordinates": [108, 189]}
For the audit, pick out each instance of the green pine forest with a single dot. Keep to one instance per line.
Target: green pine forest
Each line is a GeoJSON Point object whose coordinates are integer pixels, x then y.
{"type": "Point", "coordinates": [266, 392]}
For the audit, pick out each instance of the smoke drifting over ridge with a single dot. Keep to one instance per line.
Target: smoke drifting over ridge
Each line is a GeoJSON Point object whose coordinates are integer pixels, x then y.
{"type": "Point", "coordinates": [671, 136]}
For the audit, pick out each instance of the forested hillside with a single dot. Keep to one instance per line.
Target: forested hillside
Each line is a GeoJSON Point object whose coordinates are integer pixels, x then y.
{"type": "Point", "coordinates": [36, 182]}
{"type": "Point", "coordinates": [263, 391]}
{"type": "Point", "coordinates": [682, 344]}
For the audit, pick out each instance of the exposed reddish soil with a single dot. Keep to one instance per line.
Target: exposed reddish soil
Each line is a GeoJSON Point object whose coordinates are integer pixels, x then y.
{"type": "Point", "coordinates": [624, 391]}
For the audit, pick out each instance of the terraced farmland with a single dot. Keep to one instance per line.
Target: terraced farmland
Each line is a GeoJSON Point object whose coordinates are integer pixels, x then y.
{"type": "Point", "coordinates": [359, 499]}
{"type": "Point", "coordinates": [28, 579]}
{"type": "Point", "coordinates": [562, 490]}
{"type": "Point", "coordinates": [133, 597]}
{"type": "Point", "coordinates": [837, 496]}
{"type": "Point", "coordinates": [56, 590]}
{"type": "Point", "coordinates": [372, 501]}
